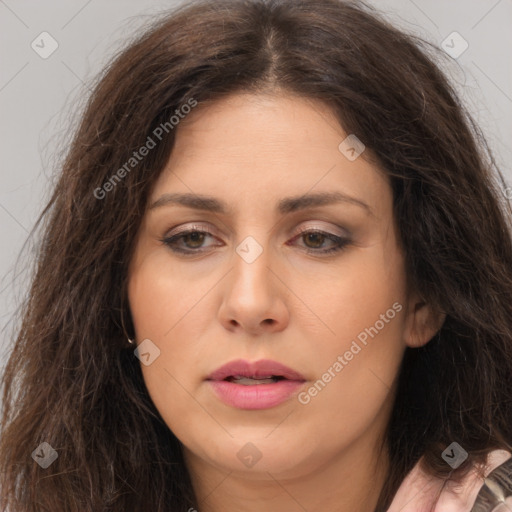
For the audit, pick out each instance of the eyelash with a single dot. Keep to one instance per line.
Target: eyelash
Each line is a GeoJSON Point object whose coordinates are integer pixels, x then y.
{"type": "Point", "coordinates": [170, 241]}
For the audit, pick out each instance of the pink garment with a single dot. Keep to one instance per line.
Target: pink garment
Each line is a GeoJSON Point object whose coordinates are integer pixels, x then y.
{"type": "Point", "coordinates": [418, 491]}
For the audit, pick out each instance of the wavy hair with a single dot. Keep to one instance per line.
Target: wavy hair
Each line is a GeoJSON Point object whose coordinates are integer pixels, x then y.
{"type": "Point", "coordinates": [71, 379]}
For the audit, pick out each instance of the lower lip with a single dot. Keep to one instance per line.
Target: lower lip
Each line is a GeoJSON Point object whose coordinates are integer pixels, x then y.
{"type": "Point", "coordinates": [256, 396]}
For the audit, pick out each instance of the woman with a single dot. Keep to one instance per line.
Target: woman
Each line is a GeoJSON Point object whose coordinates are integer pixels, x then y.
{"type": "Point", "coordinates": [275, 274]}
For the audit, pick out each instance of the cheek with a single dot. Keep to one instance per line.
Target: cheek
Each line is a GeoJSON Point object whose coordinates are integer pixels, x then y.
{"type": "Point", "coordinates": [168, 308]}
{"type": "Point", "coordinates": [162, 299]}
{"type": "Point", "coordinates": [351, 297]}
{"type": "Point", "coordinates": [159, 313]}
{"type": "Point", "coordinates": [364, 310]}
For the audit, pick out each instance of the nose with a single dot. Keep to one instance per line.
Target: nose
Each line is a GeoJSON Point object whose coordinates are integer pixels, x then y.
{"type": "Point", "coordinates": [254, 297]}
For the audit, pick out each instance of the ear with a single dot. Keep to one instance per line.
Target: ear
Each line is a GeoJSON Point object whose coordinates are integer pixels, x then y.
{"type": "Point", "coordinates": [422, 322]}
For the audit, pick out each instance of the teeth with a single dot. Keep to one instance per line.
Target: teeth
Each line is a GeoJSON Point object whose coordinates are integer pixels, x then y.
{"type": "Point", "coordinates": [247, 381]}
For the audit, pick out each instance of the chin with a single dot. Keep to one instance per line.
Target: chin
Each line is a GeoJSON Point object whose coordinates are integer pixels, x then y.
{"type": "Point", "coordinates": [258, 456]}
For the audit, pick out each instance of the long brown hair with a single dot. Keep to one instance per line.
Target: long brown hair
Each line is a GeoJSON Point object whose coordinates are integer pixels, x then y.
{"type": "Point", "coordinates": [73, 381]}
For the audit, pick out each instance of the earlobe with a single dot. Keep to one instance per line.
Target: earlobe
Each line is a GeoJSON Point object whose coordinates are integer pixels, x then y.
{"type": "Point", "coordinates": [423, 323]}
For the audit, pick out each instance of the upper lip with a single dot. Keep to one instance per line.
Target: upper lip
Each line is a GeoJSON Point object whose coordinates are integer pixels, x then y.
{"type": "Point", "coordinates": [257, 369]}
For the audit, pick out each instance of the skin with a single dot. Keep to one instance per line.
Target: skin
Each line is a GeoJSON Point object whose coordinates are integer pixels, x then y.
{"type": "Point", "coordinates": [301, 309]}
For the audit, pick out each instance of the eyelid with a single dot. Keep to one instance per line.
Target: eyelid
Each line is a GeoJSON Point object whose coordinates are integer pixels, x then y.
{"type": "Point", "coordinates": [206, 228]}
{"type": "Point", "coordinates": [194, 227]}
{"type": "Point", "coordinates": [339, 232]}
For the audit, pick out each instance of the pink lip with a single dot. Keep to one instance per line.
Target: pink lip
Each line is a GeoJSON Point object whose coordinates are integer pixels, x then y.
{"type": "Point", "coordinates": [258, 396]}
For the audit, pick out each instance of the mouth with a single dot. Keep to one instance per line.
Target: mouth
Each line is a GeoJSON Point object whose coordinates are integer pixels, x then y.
{"type": "Point", "coordinates": [253, 381]}
{"type": "Point", "coordinates": [259, 385]}
{"type": "Point", "coordinates": [263, 371]}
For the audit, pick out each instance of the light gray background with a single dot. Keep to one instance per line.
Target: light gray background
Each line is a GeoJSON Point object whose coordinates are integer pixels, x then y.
{"type": "Point", "coordinates": [40, 98]}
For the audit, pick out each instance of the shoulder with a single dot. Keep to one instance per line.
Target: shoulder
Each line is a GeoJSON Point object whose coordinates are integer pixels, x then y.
{"type": "Point", "coordinates": [418, 491]}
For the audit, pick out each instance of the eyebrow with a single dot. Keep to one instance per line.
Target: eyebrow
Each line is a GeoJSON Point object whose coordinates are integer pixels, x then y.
{"type": "Point", "coordinates": [284, 206]}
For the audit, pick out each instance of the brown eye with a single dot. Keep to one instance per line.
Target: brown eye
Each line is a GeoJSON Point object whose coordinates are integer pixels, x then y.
{"type": "Point", "coordinates": [196, 238]}
{"type": "Point", "coordinates": [191, 242]}
{"type": "Point", "coordinates": [315, 239]}
{"type": "Point", "coordinates": [187, 242]}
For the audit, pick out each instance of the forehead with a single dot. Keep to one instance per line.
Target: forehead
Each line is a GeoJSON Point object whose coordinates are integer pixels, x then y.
{"type": "Point", "coordinates": [247, 148]}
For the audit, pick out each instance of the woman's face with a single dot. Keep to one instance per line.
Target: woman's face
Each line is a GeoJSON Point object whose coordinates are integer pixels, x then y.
{"type": "Point", "coordinates": [255, 283]}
